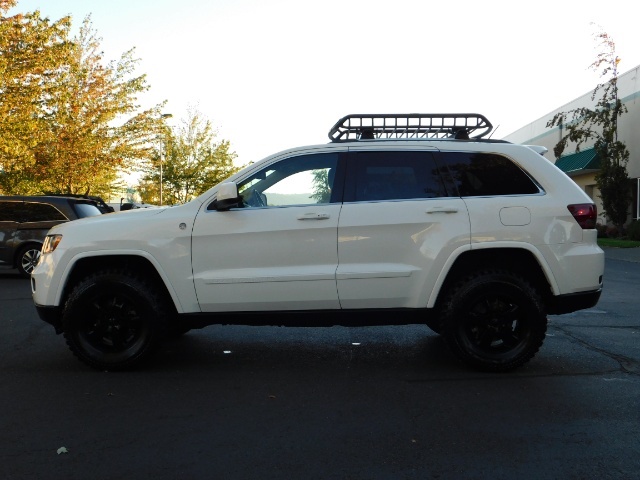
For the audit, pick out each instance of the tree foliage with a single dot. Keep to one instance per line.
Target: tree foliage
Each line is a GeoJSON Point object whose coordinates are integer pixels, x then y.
{"type": "Point", "coordinates": [600, 126]}
{"type": "Point", "coordinates": [191, 160]}
{"type": "Point", "coordinates": [69, 123]}
{"type": "Point", "coordinates": [31, 49]}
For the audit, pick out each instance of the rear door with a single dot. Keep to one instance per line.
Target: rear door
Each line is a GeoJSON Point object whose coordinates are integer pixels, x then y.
{"type": "Point", "coordinates": [399, 225]}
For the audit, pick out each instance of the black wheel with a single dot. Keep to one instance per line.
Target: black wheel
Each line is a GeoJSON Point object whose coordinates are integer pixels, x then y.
{"type": "Point", "coordinates": [494, 321]}
{"type": "Point", "coordinates": [113, 320]}
{"type": "Point", "coordinates": [27, 259]}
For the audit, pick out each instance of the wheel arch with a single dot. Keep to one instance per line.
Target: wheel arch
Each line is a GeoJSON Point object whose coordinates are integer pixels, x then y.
{"type": "Point", "coordinates": [526, 262]}
{"type": "Point", "coordinates": [143, 265]}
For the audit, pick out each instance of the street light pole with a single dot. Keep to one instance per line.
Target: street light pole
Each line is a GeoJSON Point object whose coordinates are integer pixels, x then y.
{"type": "Point", "coordinates": [162, 153]}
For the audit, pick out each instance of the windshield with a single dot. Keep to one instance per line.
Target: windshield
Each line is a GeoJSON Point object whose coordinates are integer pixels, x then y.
{"type": "Point", "coordinates": [86, 210]}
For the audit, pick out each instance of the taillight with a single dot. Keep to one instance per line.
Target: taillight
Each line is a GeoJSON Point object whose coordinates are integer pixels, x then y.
{"type": "Point", "coordinates": [585, 214]}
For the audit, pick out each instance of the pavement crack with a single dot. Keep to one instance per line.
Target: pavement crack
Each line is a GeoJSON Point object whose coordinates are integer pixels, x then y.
{"type": "Point", "coordinates": [627, 364]}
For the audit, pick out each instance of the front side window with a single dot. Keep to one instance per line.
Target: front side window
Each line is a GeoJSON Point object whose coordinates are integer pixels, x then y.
{"type": "Point", "coordinates": [388, 175]}
{"type": "Point", "coordinates": [302, 180]}
{"type": "Point", "coordinates": [486, 174]}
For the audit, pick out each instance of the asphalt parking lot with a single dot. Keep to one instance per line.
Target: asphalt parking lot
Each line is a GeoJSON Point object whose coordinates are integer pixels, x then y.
{"type": "Point", "coordinates": [327, 403]}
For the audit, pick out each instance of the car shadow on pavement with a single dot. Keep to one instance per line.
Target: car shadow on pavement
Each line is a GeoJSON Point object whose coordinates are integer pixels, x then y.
{"type": "Point", "coordinates": [412, 348]}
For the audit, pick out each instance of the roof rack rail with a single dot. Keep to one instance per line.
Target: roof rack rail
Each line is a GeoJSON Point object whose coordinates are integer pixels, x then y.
{"type": "Point", "coordinates": [410, 126]}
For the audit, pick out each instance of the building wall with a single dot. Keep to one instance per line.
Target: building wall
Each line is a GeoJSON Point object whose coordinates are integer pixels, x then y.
{"type": "Point", "coordinates": [537, 133]}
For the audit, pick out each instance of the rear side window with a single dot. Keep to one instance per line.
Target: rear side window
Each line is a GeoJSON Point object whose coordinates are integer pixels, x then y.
{"type": "Point", "coordinates": [40, 212]}
{"type": "Point", "coordinates": [86, 210]}
{"type": "Point", "coordinates": [391, 175]}
{"type": "Point", "coordinates": [486, 174]}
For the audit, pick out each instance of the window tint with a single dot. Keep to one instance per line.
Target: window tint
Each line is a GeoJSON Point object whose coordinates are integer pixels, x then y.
{"type": "Point", "coordinates": [486, 174]}
{"type": "Point", "coordinates": [303, 180]}
{"type": "Point", "coordinates": [394, 176]}
{"type": "Point", "coordinates": [40, 212]}
{"type": "Point", "coordinates": [9, 211]}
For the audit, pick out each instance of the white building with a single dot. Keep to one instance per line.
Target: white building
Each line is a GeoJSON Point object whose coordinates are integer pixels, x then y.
{"type": "Point", "coordinates": [582, 166]}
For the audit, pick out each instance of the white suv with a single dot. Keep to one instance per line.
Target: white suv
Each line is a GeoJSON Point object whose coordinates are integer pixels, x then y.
{"type": "Point", "coordinates": [400, 219]}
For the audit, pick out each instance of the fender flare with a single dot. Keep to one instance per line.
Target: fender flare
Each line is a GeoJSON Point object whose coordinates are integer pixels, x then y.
{"type": "Point", "coordinates": [444, 272]}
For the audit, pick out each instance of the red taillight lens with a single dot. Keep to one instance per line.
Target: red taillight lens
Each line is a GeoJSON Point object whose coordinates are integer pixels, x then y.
{"type": "Point", "coordinates": [585, 214]}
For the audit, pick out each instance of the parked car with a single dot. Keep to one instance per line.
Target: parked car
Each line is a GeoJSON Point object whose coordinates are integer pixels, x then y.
{"type": "Point", "coordinates": [25, 221]}
{"type": "Point", "coordinates": [400, 219]}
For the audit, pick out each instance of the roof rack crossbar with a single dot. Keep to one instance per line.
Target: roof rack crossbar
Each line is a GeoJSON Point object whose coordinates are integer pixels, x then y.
{"type": "Point", "coordinates": [410, 126]}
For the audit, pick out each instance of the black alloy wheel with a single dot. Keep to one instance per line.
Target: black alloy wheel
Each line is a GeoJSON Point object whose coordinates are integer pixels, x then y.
{"type": "Point", "coordinates": [494, 321]}
{"type": "Point", "coordinates": [113, 320]}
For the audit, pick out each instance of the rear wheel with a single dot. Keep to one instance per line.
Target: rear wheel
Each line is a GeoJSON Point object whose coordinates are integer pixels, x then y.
{"type": "Point", "coordinates": [28, 257]}
{"type": "Point", "coordinates": [494, 320]}
{"type": "Point", "coordinates": [114, 319]}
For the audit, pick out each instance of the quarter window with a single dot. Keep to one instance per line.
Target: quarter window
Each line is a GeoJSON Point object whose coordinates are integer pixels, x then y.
{"type": "Point", "coordinates": [486, 174]}
{"type": "Point", "coordinates": [9, 211]}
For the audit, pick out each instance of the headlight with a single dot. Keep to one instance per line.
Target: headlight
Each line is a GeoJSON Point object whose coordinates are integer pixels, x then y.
{"type": "Point", "coordinates": [50, 243]}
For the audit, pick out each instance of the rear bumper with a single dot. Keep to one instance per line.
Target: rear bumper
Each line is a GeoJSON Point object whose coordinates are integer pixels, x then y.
{"type": "Point", "coordinates": [51, 315]}
{"type": "Point", "coordinates": [573, 302]}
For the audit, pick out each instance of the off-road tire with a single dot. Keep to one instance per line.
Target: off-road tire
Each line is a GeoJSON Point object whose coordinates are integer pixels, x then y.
{"type": "Point", "coordinates": [114, 319]}
{"type": "Point", "coordinates": [493, 320]}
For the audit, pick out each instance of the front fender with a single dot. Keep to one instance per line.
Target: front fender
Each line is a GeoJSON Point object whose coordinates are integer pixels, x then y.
{"type": "Point", "coordinates": [49, 281]}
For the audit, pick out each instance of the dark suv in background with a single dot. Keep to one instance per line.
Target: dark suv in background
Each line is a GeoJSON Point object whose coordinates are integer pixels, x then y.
{"type": "Point", "coordinates": [25, 221]}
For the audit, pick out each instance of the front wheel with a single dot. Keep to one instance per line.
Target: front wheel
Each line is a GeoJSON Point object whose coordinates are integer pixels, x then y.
{"type": "Point", "coordinates": [494, 320]}
{"type": "Point", "coordinates": [113, 319]}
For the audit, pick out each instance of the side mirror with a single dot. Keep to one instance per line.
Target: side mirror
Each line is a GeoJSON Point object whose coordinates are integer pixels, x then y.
{"type": "Point", "coordinates": [227, 196]}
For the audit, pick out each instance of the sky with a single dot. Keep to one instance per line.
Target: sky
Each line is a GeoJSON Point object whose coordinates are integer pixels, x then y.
{"type": "Point", "coordinates": [276, 74]}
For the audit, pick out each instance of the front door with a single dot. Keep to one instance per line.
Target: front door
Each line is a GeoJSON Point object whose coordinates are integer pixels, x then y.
{"type": "Point", "coordinates": [278, 251]}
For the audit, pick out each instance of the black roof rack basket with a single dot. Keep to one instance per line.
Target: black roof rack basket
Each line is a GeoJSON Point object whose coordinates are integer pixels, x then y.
{"type": "Point", "coordinates": [410, 126]}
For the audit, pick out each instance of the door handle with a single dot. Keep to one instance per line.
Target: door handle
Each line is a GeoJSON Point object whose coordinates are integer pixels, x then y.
{"type": "Point", "coordinates": [314, 216]}
{"type": "Point", "coordinates": [443, 210]}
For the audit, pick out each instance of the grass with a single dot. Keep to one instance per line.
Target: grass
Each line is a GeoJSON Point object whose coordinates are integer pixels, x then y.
{"type": "Point", "coordinates": [617, 242]}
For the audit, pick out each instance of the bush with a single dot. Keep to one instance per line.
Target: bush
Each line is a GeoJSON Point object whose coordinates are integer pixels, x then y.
{"type": "Point", "coordinates": [633, 230]}
{"type": "Point", "coordinates": [607, 231]}
{"type": "Point", "coordinates": [602, 230]}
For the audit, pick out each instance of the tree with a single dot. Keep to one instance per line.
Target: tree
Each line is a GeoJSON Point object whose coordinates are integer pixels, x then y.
{"type": "Point", "coordinates": [77, 125]}
{"type": "Point", "coordinates": [191, 160]}
{"type": "Point", "coordinates": [600, 125]}
{"type": "Point", "coordinates": [32, 50]}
